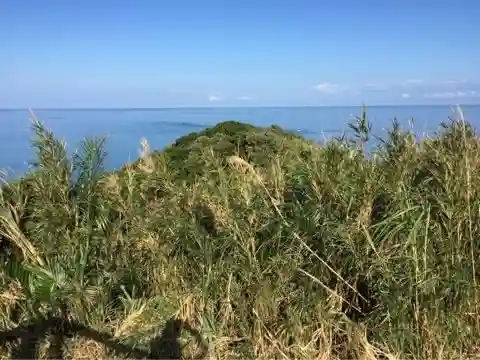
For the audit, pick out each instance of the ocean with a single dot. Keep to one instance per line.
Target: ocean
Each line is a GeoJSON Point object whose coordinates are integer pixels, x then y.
{"type": "Point", "coordinates": [161, 127]}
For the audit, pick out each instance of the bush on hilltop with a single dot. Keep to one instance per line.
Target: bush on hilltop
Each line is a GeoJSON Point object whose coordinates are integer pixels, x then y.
{"type": "Point", "coordinates": [256, 145]}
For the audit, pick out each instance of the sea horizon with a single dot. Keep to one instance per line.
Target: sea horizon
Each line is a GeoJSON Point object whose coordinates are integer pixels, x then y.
{"type": "Point", "coordinates": [83, 108]}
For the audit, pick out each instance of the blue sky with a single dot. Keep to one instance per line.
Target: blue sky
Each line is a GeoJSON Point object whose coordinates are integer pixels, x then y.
{"type": "Point", "coordinates": [147, 53]}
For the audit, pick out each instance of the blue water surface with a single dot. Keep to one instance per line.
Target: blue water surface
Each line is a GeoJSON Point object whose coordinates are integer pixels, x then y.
{"type": "Point", "coordinates": [125, 127]}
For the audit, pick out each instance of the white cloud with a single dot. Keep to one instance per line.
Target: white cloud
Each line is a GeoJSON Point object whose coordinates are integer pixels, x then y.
{"type": "Point", "coordinates": [453, 94]}
{"type": "Point", "coordinates": [405, 89]}
{"type": "Point", "coordinates": [244, 98]}
{"type": "Point", "coordinates": [212, 97]}
{"type": "Point", "coordinates": [327, 88]}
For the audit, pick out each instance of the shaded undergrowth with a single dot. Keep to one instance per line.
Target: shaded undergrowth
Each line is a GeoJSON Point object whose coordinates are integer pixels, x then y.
{"type": "Point", "coordinates": [25, 340]}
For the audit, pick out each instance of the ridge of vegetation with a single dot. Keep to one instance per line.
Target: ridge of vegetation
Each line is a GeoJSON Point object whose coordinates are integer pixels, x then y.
{"type": "Point", "coordinates": [263, 244]}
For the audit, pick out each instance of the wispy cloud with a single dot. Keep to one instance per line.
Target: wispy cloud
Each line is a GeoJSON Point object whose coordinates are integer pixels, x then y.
{"type": "Point", "coordinates": [453, 94]}
{"type": "Point", "coordinates": [327, 88]}
{"type": "Point", "coordinates": [244, 98]}
{"type": "Point", "coordinates": [414, 88]}
{"type": "Point", "coordinates": [458, 82]}
{"type": "Point", "coordinates": [213, 98]}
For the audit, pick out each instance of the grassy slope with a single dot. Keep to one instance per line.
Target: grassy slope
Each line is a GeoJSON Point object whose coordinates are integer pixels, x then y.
{"type": "Point", "coordinates": [287, 250]}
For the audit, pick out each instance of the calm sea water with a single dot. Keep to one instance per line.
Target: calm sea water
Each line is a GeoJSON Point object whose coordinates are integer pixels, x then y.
{"type": "Point", "coordinates": [125, 127]}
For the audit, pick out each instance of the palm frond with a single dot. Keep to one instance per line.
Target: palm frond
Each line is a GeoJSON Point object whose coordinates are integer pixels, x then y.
{"type": "Point", "coordinates": [51, 152]}
{"type": "Point", "coordinates": [88, 162]}
{"type": "Point", "coordinates": [88, 168]}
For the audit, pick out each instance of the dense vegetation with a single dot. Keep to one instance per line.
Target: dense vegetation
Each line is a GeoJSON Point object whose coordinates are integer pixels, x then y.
{"type": "Point", "coordinates": [271, 246]}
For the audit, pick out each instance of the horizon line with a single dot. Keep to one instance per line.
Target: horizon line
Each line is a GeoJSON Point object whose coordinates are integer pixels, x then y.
{"type": "Point", "coordinates": [230, 106]}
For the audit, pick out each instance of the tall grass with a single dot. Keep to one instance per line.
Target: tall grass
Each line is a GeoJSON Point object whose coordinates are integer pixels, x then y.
{"type": "Point", "coordinates": [318, 252]}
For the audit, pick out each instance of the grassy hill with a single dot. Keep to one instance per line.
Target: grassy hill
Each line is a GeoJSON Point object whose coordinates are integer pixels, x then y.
{"type": "Point", "coordinates": [258, 242]}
